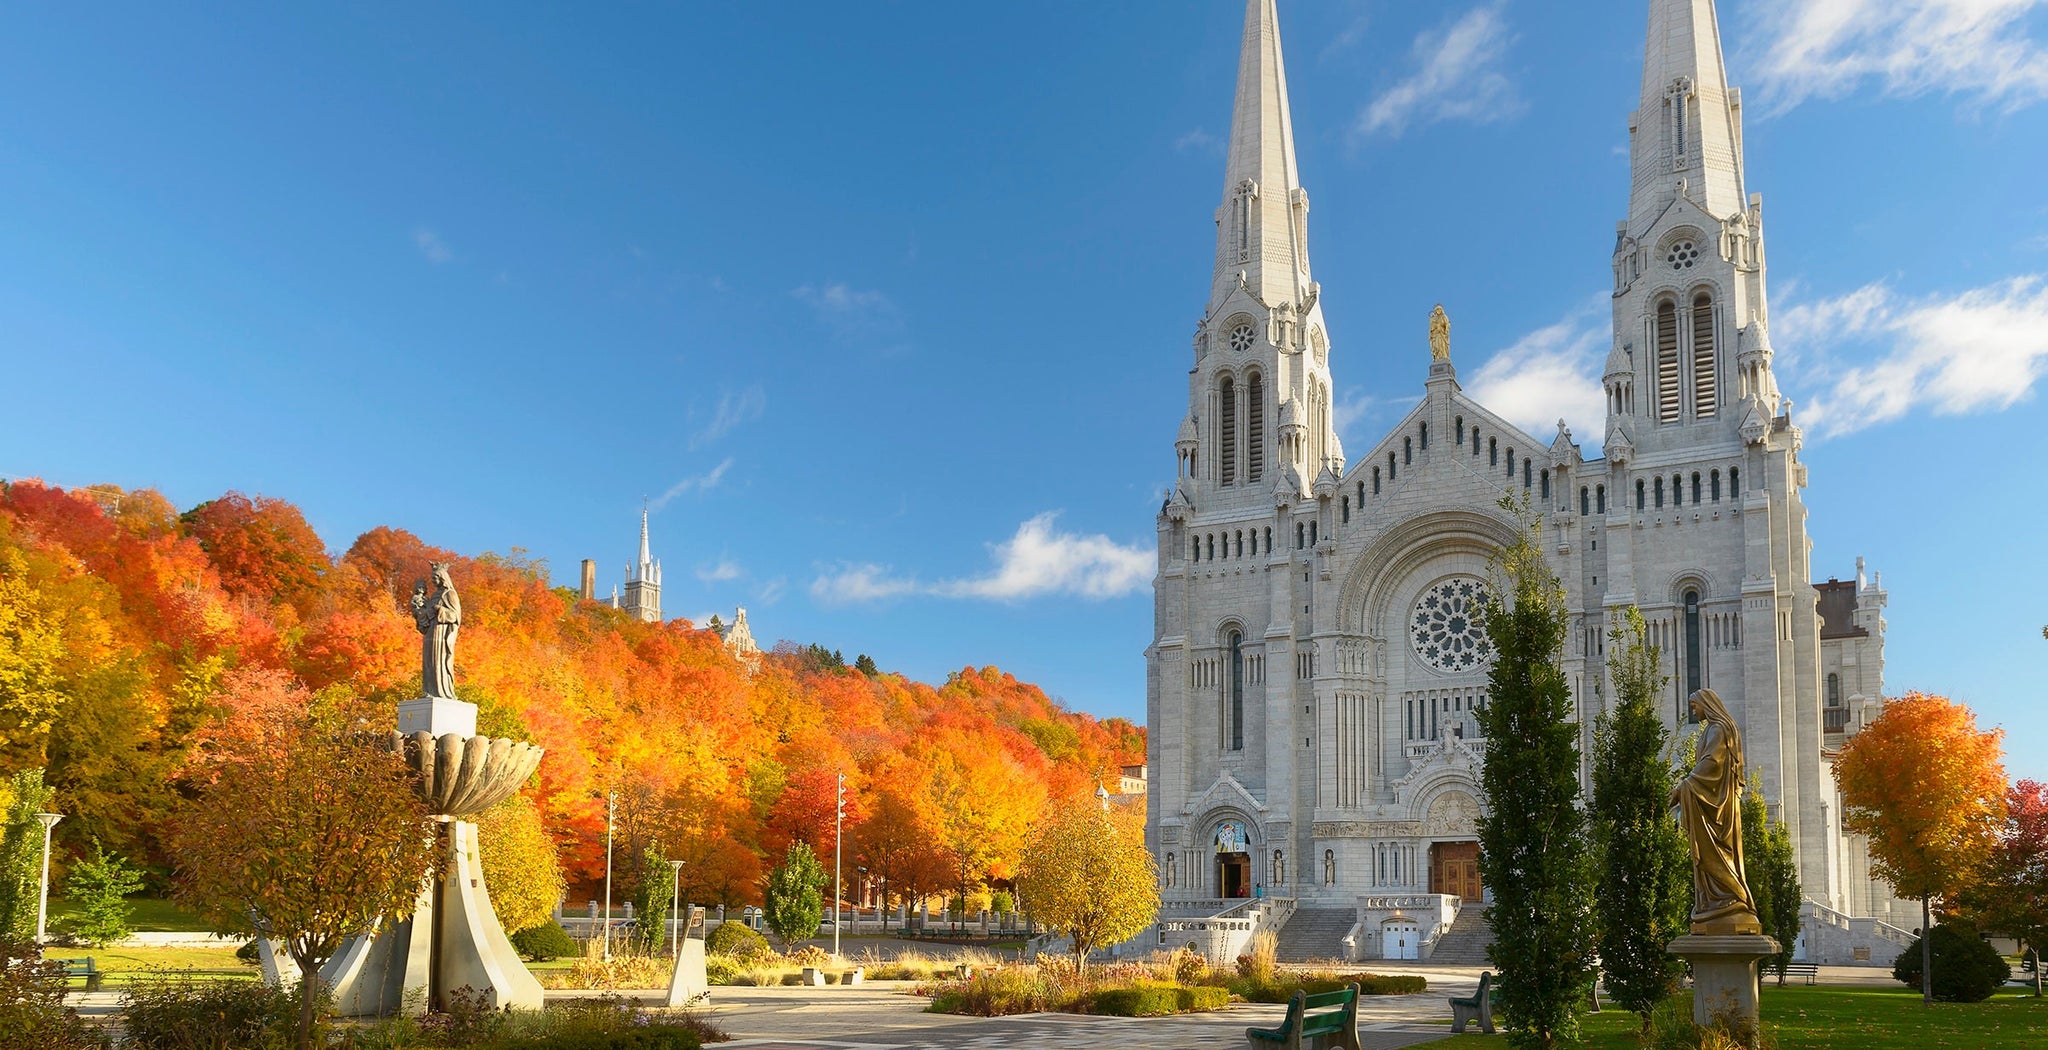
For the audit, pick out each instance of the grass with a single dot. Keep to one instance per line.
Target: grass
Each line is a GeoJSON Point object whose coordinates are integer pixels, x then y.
{"type": "Point", "coordinates": [149, 915]}
{"type": "Point", "coordinates": [123, 965]}
{"type": "Point", "coordinates": [1824, 1018]}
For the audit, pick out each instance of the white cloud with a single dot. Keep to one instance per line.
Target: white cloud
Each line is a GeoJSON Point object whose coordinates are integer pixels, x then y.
{"type": "Point", "coordinates": [1198, 141]}
{"type": "Point", "coordinates": [1550, 373]}
{"type": "Point", "coordinates": [734, 408]}
{"type": "Point", "coordinates": [1036, 561]}
{"type": "Point", "coordinates": [699, 483]}
{"type": "Point", "coordinates": [1827, 48]}
{"type": "Point", "coordinates": [720, 571]}
{"type": "Point", "coordinates": [1457, 76]}
{"type": "Point", "coordinates": [1979, 350]}
{"type": "Point", "coordinates": [771, 592]}
{"type": "Point", "coordinates": [851, 313]}
{"type": "Point", "coordinates": [432, 246]}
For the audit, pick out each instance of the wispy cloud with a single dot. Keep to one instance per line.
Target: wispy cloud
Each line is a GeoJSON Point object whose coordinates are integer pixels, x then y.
{"type": "Point", "coordinates": [432, 247]}
{"type": "Point", "coordinates": [1355, 407]}
{"type": "Point", "coordinates": [720, 571]}
{"type": "Point", "coordinates": [852, 314]}
{"type": "Point", "coordinates": [1348, 37]}
{"type": "Point", "coordinates": [1979, 49]}
{"type": "Point", "coordinates": [698, 483]}
{"type": "Point", "coordinates": [1981, 350]}
{"type": "Point", "coordinates": [1198, 140]}
{"type": "Point", "coordinates": [1552, 373]}
{"type": "Point", "coordinates": [734, 408]}
{"type": "Point", "coordinates": [1457, 76]}
{"type": "Point", "coordinates": [1038, 560]}
{"type": "Point", "coordinates": [772, 591]}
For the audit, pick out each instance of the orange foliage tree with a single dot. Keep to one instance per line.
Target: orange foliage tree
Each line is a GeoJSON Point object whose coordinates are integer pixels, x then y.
{"type": "Point", "coordinates": [1929, 790]}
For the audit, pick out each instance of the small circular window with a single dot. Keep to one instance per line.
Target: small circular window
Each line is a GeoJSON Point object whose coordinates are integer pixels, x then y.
{"type": "Point", "coordinates": [1683, 255]}
{"type": "Point", "coordinates": [1241, 338]}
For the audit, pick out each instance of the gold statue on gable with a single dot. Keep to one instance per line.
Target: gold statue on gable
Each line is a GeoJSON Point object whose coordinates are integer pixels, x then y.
{"type": "Point", "coordinates": [1439, 334]}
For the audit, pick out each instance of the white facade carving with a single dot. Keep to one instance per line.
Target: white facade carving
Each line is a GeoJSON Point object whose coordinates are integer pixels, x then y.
{"type": "Point", "coordinates": [1314, 669]}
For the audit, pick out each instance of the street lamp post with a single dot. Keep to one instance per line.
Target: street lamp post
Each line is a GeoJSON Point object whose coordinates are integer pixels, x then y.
{"type": "Point", "coordinates": [49, 821]}
{"type": "Point", "coordinates": [675, 905]}
{"type": "Point", "coordinates": [838, 891]}
{"type": "Point", "coordinates": [611, 811]}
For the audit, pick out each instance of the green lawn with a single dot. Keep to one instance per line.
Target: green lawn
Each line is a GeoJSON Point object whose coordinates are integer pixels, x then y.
{"type": "Point", "coordinates": [122, 965]}
{"type": "Point", "coordinates": [149, 915]}
{"type": "Point", "coordinates": [1863, 1019]}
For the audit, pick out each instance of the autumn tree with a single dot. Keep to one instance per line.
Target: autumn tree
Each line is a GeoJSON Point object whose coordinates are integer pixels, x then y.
{"type": "Point", "coordinates": [520, 863]}
{"type": "Point", "coordinates": [263, 549]}
{"type": "Point", "coordinates": [308, 837]}
{"type": "Point", "coordinates": [1086, 872]}
{"type": "Point", "coordinates": [795, 902]}
{"type": "Point", "coordinates": [1771, 869]}
{"type": "Point", "coordinates": [1535, 851]}
{"type": "Point", "coordinates": [1929, 790]}
{"type": "Point", "coordinates": [2012, 896]}
{"type": "Point", "coordinates": [1645, 871]}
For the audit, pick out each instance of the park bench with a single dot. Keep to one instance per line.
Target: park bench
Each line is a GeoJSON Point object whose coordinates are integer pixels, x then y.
{"type": "Point", "coordinates": [1800, 969]}
{"type": "Point", "coordinates": [816, 976]}
{"type": "Point", "coordinates": [1333, 1022]}
{"type": "Point", "coordinates": [85, 968]}
{"type": "Point", "coordinates": [1478, 1008]}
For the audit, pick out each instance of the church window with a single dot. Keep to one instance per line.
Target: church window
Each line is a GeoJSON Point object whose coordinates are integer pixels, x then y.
{"type": "Point", "coordinates": [1492, 452]}
{"type": "Point", "coordinates": [1445, 626]}
{"type": "Point", "coordinates": [1461, 430]}
{"type": "Point", "coordinates": [1239, 539]}
{"type": "Point", "coordinates": [1241, 337]}
{"type": "Point", "coordinates": [1227, 441]}
{"type": "Point", "coordinates": [1600, 499]}
{"type": "Point", "coordinates": [1660, 493]}
{"type": "Point", "coordinates": [1475, 441]}
{"type": "Point", "coordinates": [1361, 495]}
{"type": "Point", "coordinates": [1692, 642]}
{"type": "Point", "coordinates": [1677, 490]}
{"type": "Point", "coordinates": [1715, 485]}
{"type": "Point", "coordinates": [1300, 535]}
{"type": "Point", "coordinates": [1544, 489]}
{"type": "Point", "coordinates": [1197, 555]}
{"type": "Point", "coordinates": [1407, 450]}
{"type": "Point", "coordinates": [1640, 505]}
{"type": "Point", "coordinates": [1667, 362]}
{"type": "Point", "coordinates": [1585, 502]}
{"type": "Point", "coordinates": [1255, 427]}
{"type": "Point", "coordinates": [1211, 554]}
{"type": "Point", "coordinates": [1695, 488]}
{"type": "Point", "coordinates": [1684, 255]}
{"type": "Point", "coordinates": [1375, 481]}
{"type": "Point", "coordinates": [1236, 691]}
{"type": "Point", "coordinates": [1734, 483]}
{"type": "Point", "coordinates": [1347, 510]}
{"type": "Point", "coordinates": [1525, 473]}
{"type": "Point", "coordinates": [1511, 464]}
{"type": "Point", "coordinates": [1425, 437]}
{"type": "Point", "coordinates": [1392, 471]}
{"type": "Point", "coordinates": [1834, 690]}
{"type": "Point", "coordinates": [1705, 368]}
{"type": "Point", "coordinates": [1312, 533]}
{"type": "Point", "coordinates": [1269, 539]}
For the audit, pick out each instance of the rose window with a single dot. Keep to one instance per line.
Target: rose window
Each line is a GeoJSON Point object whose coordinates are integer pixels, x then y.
{"type": "Point", "coordinates": [1683, 255]}
{"type": "Point", "coordinates": [1445, 627]}
{"type": "Point", "coordinates": [1241, 338]}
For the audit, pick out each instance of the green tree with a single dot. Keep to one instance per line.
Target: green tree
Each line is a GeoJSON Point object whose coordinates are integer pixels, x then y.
{"type": "Point", "coordinates": [1772, 871]}
{"type": "Point", "coordinates": [656, 894]}
{"type": "Point", "coordinates": [98, 887]}
{"type": "Point", "coordinates": [1087, 873]}
{"type": "Point", "coordinates": [865, 664]}
{"type": "Point", "coordinates": [795, 902]}
{"type": "Point", "coordinates": [306, 836]}
{"type": "Point", "coordinates": [21, 852]}
{"type": "Point", "coordinates": [1645, 872]}
{"type": "Point", "coordinates": [1535, 851]}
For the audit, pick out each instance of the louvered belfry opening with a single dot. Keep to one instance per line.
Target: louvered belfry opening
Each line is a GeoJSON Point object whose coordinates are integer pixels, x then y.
{"type": "Point", "coordinates": [1227, 443]}
{"type": "Point", "coordinates": [1667, 362]}
{"type": "Point", "coordinates": [1255, 427]}
{"type": "Point", "coordinates": [1705, 367]}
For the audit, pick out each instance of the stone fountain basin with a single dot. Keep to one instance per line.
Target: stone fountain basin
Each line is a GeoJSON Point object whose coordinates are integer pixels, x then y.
{"type": "Point", "coordinates": [464, 775]}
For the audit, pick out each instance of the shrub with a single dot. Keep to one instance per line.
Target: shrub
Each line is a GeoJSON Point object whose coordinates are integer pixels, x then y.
{"type": "Point", "coordinates": [168, 1012]}
{"type": "Point", "coordinates": [32, 1011]}
{"type": "Point", "coordinates": [544, 942]}
{"type": "Point", "coordinates": [1147, 999]}
{"type": "Point", "coordinates": [810, 955]}
{"type": "Point", "coordinates": [736, 939]}
{"type": "Point", "coordinates": [1189, 966]}
{"type": "Point", "coordinates": [998, 992]}
{"type": "Point", "coordinates": [722, 969]}
{"type": "Point", "coordinates": [1259, 958]}
{"type": "Point", "coordinates": [1001, 902]}
{"type": "Point", "coordinates": [1966, 968]}
{"type": "Point", "coordinates": [621, 972]}
{"type": "Point", "coordinates": [249, 954]}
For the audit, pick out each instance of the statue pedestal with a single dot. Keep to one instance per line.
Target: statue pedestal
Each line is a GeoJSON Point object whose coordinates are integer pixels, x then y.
{"type": "Point", "coordinates": [438, 715]}
{"type": "Point", "coordinates": [1724, 985]}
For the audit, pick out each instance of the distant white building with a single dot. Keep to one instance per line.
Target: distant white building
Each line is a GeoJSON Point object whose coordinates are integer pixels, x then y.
{"type": "Point", "coordinates": [1317, 662]}
{"type": "Point", "coordinates": [643, 582]}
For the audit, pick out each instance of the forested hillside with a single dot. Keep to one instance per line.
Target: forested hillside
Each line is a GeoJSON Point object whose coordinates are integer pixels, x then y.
{"type": "Point", "coordinates": [130, 632]}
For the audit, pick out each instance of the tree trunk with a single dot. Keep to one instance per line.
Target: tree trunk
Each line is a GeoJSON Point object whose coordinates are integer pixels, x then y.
{"type": "Point", "coordinates": [309, 999]}
{"type": "Point", "coordinates": [1926, 954]}
{"type": "Point", "coordinates": [2037, 969]}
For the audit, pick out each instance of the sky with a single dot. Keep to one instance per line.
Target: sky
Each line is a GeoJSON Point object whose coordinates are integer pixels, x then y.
{"type": "Point", "coordinates": [883, 309]}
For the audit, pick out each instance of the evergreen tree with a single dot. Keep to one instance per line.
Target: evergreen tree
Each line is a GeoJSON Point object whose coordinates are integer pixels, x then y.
{"type": "Point", "coordinates": [1772, 873]}
{"type": "Point", "coordinates": [795, 903]}
{"type": "Point", "coordinates": [1645, 871]}
{"type": "Point", "coordinates": [655, 897]}
{"type": "Point", "coordinates": [865, 664]}
{"type": "Point", "coordinates": [1535, 850]}
{"type": "Point", "coordinates": [98, 887]}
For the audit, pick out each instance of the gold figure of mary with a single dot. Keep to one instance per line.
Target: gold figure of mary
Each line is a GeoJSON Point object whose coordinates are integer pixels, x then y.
{"type": "Point", "coordinates": [1709, 801]}
{"type": "Point", "coordinates": [1439, 334]}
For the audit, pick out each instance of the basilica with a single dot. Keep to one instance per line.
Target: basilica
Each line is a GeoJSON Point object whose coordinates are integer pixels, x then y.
{"type": "Point", "coordinates": [1316, 661]}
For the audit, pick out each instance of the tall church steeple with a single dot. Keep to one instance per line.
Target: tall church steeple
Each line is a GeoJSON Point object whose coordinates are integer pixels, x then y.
{"type": "Point", "coordinates": [1688, 125]}
{"type": "Point", "coordinates": [1259, 430]}
{"type": "Point", "coordinates": [643, 581]}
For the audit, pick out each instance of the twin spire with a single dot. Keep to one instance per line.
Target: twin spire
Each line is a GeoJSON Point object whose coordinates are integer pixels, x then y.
{"type": "Point", "coordinates": [1262, 227]}
{"type": "Point", "coordinates": [1689, 125]}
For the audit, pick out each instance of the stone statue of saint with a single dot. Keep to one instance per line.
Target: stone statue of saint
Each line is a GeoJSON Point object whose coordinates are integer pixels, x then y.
{"type": "Point", "coordinates": [1439, 334]}
{"type": "Point", "coordinates": [439, 617]}
{"type": "Point", "coordinates": [1709, 800]}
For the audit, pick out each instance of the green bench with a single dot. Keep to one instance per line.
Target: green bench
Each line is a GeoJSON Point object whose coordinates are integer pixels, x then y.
{"type": "Point", "coordinates": [1329, 1019]}
{"type": "Point", "coordinates": [1478, 1008]}
{"type": "Point", "coordinates": [1808, 970]}
{"type": "Point", "coordinates": [85, 968]}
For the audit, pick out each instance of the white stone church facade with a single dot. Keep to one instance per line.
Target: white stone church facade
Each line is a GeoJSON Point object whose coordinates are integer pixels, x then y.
{"type": "Point", "coordinates": [1315, 663]}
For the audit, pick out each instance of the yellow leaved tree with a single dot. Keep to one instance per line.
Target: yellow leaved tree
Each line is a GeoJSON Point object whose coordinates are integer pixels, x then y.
{"type": "Point", "coordinates": [521, 864]}
{"type": "Point", "coordinates": [1086, 873]}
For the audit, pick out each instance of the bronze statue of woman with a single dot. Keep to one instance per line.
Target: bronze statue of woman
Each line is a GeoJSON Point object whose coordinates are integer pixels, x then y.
{"type": "Point", "coordinates": [439, 618]}
{"type": "Point", "coordinates": [1709, 800]}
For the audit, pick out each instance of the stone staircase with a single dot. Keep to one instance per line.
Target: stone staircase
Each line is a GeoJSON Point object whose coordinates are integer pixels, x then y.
{"type": "Point", "coordinates": [1465, 943]}
{"type": "Point", "coordinates": [1315, 933]}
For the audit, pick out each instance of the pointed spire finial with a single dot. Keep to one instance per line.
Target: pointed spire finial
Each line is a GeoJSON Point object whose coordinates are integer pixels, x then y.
{"type": "Point", "coordinates": [1259, 242]}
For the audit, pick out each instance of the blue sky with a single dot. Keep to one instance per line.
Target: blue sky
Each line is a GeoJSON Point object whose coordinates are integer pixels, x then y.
{"type": "Point", "coordinates": [885, 307]}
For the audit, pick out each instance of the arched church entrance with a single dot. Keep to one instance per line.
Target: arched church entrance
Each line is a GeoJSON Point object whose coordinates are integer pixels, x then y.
{"type": "Point", "coordinates": [1454, 869]}
{"type": "Point", "coordinates": [1233, 860]}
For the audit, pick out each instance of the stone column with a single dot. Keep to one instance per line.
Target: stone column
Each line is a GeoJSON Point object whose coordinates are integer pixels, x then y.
{"type": "Point", "coordinates": [1724, 977]}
